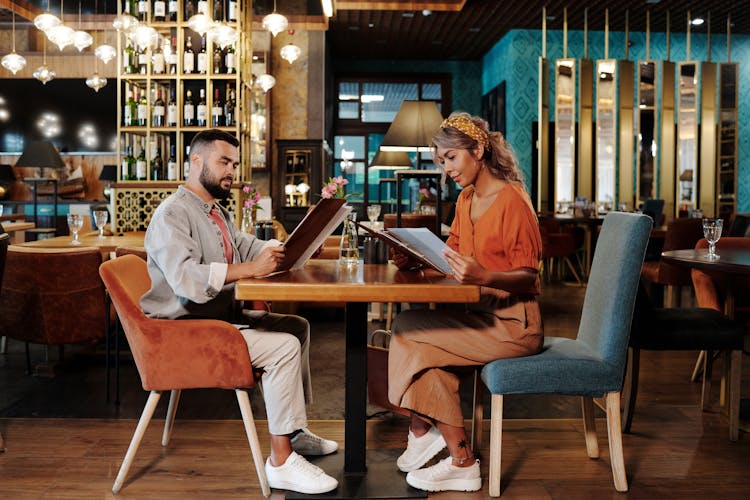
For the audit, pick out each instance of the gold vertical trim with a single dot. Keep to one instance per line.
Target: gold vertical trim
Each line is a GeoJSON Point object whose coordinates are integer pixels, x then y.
{"type": "Point", "coordinates": [543, 137]}
{"type": "Point", "coordinates": [648, 35]}
{"type": "Point", "coordinates": [585, 163]}
{"type": "Point", "coordinates": [666, 144]}
{"type": "Point", "coordinates": [626, 165]}
{"type": "Point", "coordinates": [707, 166]}
{"type": "Point", "coordinates": [606, 33]}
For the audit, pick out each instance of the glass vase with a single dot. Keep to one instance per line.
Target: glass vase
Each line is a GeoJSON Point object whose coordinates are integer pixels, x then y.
{"type": "Point", "coordinates": [248, 222]}
{"type": "Point", "coordinates": [349, 247]}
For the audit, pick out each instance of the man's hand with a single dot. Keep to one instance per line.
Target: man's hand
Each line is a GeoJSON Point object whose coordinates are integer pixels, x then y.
{"type": "Point", "coordinates": [267, 261]}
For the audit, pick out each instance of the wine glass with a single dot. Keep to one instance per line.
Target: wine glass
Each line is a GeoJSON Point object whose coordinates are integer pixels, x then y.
{"type": "Point", "coordinates": [373, 212]}
{"type": "Point", "coordinates": [712, 233]}
{"type": "Point", "coordinates": [100, 219]}
{"type": "Point", "coordinates": [75, 222]}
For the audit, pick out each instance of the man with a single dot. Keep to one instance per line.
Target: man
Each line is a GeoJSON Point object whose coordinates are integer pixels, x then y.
{"type": "Point", "coordinates": [195, 254]}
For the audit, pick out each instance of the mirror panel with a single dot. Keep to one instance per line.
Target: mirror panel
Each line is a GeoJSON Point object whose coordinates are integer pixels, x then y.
{"type": "Point", "coordinates": [727, 140]}
{"type": "Point", "coordinates": [687, 135]}
{"type": "Point", "coordinates": [606, 134]}
{"type": "Point", "coordinates": [565, 146]}
{"type": "Point", "coordinates": [646, 131]}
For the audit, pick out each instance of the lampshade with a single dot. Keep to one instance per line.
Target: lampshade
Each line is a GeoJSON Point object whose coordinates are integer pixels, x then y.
{"type": "Point", "coordinates": [41, 154]}
{"type": "Point", "coordinates": [109, 173]}
{"type": "Point", "coordinates": [290, 52]}
{"type": "Point", "coordinates": [390, 160]}
{"type": "Point", "coordinates": [413, 128]}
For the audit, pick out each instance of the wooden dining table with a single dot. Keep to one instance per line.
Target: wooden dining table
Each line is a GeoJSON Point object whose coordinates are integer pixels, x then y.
{"type": "Point", "coordinates": [106, 244]}
{"type": "Point", "coordinates": [365, 474]}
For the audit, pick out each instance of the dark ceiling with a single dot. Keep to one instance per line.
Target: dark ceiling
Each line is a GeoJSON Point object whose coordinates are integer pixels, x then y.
{"type": "Point", "coordinates": [461, 29]}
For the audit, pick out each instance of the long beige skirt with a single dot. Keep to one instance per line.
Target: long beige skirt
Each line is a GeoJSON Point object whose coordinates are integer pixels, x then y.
{"type": "Point", "coordinates": [427, 343]}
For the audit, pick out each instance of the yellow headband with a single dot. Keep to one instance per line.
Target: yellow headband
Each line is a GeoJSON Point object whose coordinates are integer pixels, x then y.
{"type": "Point", "coordinates": [466, 126]}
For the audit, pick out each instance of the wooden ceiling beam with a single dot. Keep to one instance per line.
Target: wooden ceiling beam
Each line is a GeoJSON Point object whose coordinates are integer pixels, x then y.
{"type": "Point", "coordinates": [444, 5]}
{"type": "Point", "coordinates": [22, 8]}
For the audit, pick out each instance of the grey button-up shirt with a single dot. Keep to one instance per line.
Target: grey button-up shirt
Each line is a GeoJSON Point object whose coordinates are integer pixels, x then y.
{"type": "Point", "coordinates": [186, 259]}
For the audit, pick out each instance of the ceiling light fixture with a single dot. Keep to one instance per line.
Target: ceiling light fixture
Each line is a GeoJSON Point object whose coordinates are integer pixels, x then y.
{"type": "Point", "coordinates": [95, 81]}
{"type": "Point", "coordinates": [61, 35]}
{"type": "Point", "coordinates": [223, 34]}
{"type": "Point", "coordinates": [46, 20]}
{"type": "Point", "coordinates": [200, 23]}
{"type": "Point", "coordinates": [105, 52]}
{"type": "Point", "coordinates": [327, 6]}
{"type": "Point", "coordinates": [13, 62]}
{"type": "Point", "coordinates": [81, 39]}
{"type": "Point", "coordinates": [697, 21]}
{"type": "Point", "coordinates": [290, 52]}
{"type": "Point", "coordinates": [266, 82]}
{"type": "Point", "coordinates": [274, 22]}
{"type": "Point", "coordinates": [145, 37]}
{"type": "Point", "coordinates": [43, 73]}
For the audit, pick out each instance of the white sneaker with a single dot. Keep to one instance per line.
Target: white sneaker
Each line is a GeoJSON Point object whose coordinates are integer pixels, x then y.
{"type": "Point", "coordinates": [307, 443]}
{"type": "Point", "coordinates": [444, 476]}
{"type": "Point", "coordinates": [419, 450]}
{"type": "Point", "coordinates": [297, 474]}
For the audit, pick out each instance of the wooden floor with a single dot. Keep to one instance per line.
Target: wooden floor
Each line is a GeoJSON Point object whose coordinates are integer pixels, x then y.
{"type": "Point", "coordinates": [675, 450]}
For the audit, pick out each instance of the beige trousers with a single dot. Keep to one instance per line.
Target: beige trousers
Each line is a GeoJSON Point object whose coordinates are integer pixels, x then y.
{"type": "Point", "coordinates": [427, 343]}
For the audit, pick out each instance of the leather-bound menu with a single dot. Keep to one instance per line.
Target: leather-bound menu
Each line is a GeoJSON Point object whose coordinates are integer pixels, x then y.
{"type": "Point", "coordinates": [419, 243]}
{"type": "Point", "coordinates": [317, 225]}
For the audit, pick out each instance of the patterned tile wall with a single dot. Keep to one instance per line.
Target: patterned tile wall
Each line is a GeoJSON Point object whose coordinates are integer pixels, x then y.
{"type": "Point", "coordinates": [515, 60]}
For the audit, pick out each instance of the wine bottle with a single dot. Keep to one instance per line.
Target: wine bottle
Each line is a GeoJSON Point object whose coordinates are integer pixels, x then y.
{"type": "Point", "coordinates": [201, 113]}
{"type": "Point", "coordinates": [173, 6]}
{"type": "Point", "coordinates": [143, 110]}
{"type": "Point", "coordinates": [171, 56]}
{"type": "Point", "coordinates": [232, 11]}
{"type": "Point", "coordinates": [188, 110]}
{"type": "Point", "coordinates": [189, 9]}
{"type": "Point", "coordinates": [172, 164]}
{"type": "Point", "coordinates": [128, 165]}
{"type": "Point", "coordinates": [218, 10]}
{"type": "Point", "coordinates": [202, 57]}
{"type": "Point", "coordinates": [217, 110]}
{"type": "Point", "coordinates": [160, 10]}
{"type": "Point", "coordinates": [203, 7]}
{"type": "Point", "coordinates": [172, 109]}
{"type": "Point", "coordinates": [143, 10]}
{"type": "Point", "coordinates": [188, 58]}
{"type": "Point", "coordinates": [186, 163]}
{"type": "Point", "coordinates": [157, 60]}
{"type": "Point", "coordinates": [143, 62]}
{"type": "Point", "coordinates": [230, 60]}
{"type": "Point", "coordinates": [157, 166]}
{"type": "Point", "coordinates": [128, 58]}
{"type": "Point", "coordinates": [132, 8]}
{"type": "Point", "coordinates": [229, 108]}
{"type": "Point", "coordinates": [159, 110]}
{"type": "Point", "coordinates": [130, 111]}
{"type": "Point", "coordinates": [218, 59]}
{"type": "Point", "coordinates": [140, 164]}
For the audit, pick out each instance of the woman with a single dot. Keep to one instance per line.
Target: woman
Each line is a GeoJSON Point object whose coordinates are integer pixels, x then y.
{"type": "Point", "coordinates": [496, 242]}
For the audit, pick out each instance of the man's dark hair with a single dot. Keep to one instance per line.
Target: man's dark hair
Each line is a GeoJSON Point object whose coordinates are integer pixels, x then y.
{"type": "Point", "coordinates": [206, 137]}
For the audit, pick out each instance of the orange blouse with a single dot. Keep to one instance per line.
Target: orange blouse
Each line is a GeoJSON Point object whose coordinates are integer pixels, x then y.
{"type": "Point", "coordinates": [505, 237]}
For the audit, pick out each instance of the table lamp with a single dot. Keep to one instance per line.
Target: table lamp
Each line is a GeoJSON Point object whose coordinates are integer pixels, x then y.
{"type": "Point", "coordinates": [108, 175]}
{"type": "Point", "coordinates": [40, 154]}
{"type": "Point", "coordinates": [390, 160]}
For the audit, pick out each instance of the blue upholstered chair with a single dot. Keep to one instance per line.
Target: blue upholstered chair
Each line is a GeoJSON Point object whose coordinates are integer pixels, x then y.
{"type": "Point", "coordinates": [592, 365]}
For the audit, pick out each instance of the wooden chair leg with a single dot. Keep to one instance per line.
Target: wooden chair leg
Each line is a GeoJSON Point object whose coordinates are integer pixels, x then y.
{"type": "Point", "coordinates": [706, 387]}
{"type": "Point", "coordinates": [589, 427]}
{"type": "Point", "coordinates": [478, 415]}
{"type": "Point", "coordinates": [389, 316]}
{"type": "Point", "coordinates": [735, 376]}
{"type": "Point", "coordinates": [252, 438]}
{"type": "Point", "coordinates": [496, 442]}
{"type": "Point", "coordinates": [572, 270]}
{"type": "Point", "coordinates": [698, 368]}
{"type": "Point", "coordinates": [148, 412]}
{"type": "Point", "coordinates": [615, 441]}
{"type": "Point", "coordinates": [174, 399]}
{"type": "Point", "coordinates": [630, 387]}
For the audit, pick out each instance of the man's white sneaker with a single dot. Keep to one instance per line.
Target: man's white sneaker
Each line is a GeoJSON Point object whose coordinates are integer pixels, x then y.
{"type": "Point", "coordinates": [444, 476]}
{"type": "Point", "coordinates": [307, 443]}
{"type": "Point", "coordinates": [419, 450]}
{"type": "Point", "coordinates": [297, 474]}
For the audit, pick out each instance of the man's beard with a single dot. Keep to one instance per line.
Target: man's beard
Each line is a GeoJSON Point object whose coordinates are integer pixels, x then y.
{"type": "Point", "coordinates": [214, 188]}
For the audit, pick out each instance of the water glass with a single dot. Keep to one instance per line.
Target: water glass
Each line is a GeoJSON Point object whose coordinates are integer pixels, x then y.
{"type": "Point", "coordinates": [373, 212]}
{"type": "Point", "coordinates": [75, 222]}
{"type": "Point", "coordinates": [712, 233]}
{"type": "Point", "coordinates": [100, 219]}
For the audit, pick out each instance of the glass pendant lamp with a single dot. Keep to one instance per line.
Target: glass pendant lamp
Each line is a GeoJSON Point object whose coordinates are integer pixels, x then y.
{"type": "Point", "coordinates": [13, 62]}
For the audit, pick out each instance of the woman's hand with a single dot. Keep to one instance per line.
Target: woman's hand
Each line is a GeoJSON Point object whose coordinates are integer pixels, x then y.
{"type": "Point", "coordinates": [466, 269]}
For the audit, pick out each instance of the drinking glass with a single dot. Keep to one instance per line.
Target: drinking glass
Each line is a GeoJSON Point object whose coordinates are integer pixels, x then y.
{"type": "Point", "coordinates": [100, 219]}
{"type": "Point", "coordinates": [373, 212]}
{"type": "Point", "coordinates": [712, 233]}
{"type": "Point", "coordinates": [75, 222]}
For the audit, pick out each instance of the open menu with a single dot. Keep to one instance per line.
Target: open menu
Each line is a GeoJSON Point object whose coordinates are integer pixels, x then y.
{"type": "Point", "coordinates": [317, 225]}
{"type": "Point", "coordinates": [420, 243]}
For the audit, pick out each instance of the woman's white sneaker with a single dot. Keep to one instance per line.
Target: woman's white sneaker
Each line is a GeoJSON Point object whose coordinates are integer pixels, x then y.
{"type": "Point", "coordinates": [444, 476]}
{"type": "Point", "coordinates": [297, 474]}
{"type": "Point", "coordinates": [419, 450]}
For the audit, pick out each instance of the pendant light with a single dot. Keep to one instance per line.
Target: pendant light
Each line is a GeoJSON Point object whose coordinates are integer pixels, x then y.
{"type": "Point", "coordinates": [45, 21]}
{"type": "Point", "coordinates": [265, 81]}
{"type": "Point", "coordinates": [43, 73]}
{"type": "Point", "coordinates": [95, 81]}
{"type": "Point", "coordinates": [81, 39]}
{"type": "Point", "coordinates": [13, 62]}
{"type": "Point", "coordinates": [61, 35]}
{"type": "Point", "coordinates": [223, 35]}
{"type": "Point", "coordinates": [290, 52]}
{"type": "Point", "coordinates": [274, 22]}
{"type": "Point", "coordinates": [200, 23]}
